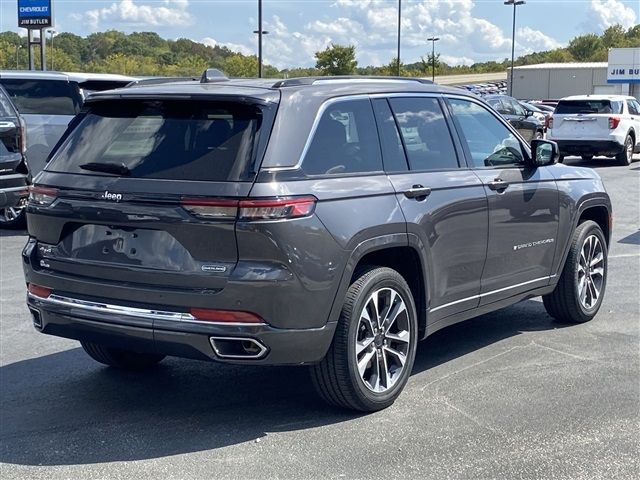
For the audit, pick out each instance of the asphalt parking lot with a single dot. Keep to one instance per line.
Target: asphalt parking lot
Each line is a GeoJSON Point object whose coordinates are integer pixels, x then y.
{"type": "Point", "coordinates": [507, 395]}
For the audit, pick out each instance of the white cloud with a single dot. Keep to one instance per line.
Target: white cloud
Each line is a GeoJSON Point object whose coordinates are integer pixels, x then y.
{"type": "Point", "coordinates": [454, 61]}
{"type": "Point", "coordinates": [604, 13]}
{"type": "Point", "coordinates": [531, 40]}
{"type": "Point", "coordinates": [234, 47]}
{"type": "Point", "coordinates": [130, 13]}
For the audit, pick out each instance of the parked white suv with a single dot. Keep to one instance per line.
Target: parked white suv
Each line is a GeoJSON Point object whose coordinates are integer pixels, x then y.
{"type": "Point", "coordinates": [590, 125]}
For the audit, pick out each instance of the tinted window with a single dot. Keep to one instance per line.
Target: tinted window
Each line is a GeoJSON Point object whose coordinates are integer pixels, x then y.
{"type": "Point", "coordinates": [569, 107]}
{"type": "Point", "coordinates": [44, 97]}
{"type": "Point", "coordinates": [392, 150]}
{"type": "Point", "coordinates": [490, 142]}
{"type": "Point", "coordinates": [633, 109]}
{"type": "Point", "coordinates": [345, 141]}
{"type": "Point", "coordinates": [165, 139]}
{"type": "Point", "coordinates": [425, 134]}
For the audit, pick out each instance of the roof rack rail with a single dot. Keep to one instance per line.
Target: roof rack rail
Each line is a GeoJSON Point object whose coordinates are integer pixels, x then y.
{"type": "Point", "coordinates": [213, 75]}
{"type": "Point", "coordinates": [299, 81]}
{"type": "Point", "coordinates": [161, 80]}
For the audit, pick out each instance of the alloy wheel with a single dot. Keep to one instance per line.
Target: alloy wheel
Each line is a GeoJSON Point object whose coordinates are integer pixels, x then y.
{"type": "Point", "coordinates": [10, 214]}
{"type": "Point", "coordinates": [382, 340]}
{"type": "Point", "coordinates": [590, 272]}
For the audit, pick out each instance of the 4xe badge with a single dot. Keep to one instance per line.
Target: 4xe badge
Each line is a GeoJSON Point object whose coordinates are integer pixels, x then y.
{"type": "Point", "coordinates": [115, 197]}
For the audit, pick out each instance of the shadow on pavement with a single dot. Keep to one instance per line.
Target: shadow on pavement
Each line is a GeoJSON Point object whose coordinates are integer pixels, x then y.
{"type": "Point", "coordinates": [633, 239]}
{"type": "Point", "coordinates": [64, 409]}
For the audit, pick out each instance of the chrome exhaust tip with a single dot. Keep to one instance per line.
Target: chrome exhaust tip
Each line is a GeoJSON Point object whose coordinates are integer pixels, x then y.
{"type": "Point", "coordinates": [241, 348]}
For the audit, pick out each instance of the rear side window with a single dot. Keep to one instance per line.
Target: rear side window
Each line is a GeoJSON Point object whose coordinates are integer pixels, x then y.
{"type": "Point", "coordinates": [177, 140]}
{"type": "Point", "coordinates": [569, 107]}
{"type": "Point", "coordinates": [44, 97]}
{"type": "Point", "coordinates": [490, 143]}
{"type": "Point", "coordinates": [392, 149]}
{"type": "Point", "coordinates": [425, 133]}
{"type": "Point", "coordinates": [634, 108]}
{"type": "Point", "coordinates": [345, 141]}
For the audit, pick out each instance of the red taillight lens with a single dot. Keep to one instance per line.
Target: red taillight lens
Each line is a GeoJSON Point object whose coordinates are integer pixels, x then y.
{"type": "Point", "coordinates": [42, 196]}
{"type": "Point", "coordinates": [614, 122]}
{"type": "Point", "coordinates": [230, 316]}
{"type": "Point", "coordinates": [259, 209]}
{"type": "Point", "coordinates": [211, 209]}
{"type": "Point", "coordinates": [279, 208]}
{"type": "Point", "coordinates": [39, 291]}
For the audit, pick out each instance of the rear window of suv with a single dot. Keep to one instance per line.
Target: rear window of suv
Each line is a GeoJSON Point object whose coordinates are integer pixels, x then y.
{"type": "Point", "coordinates": [569, 107]}
{"type": "Point", "coordinates": [44, 97]}
{"type": "Point", "coordinates": [173, 140]}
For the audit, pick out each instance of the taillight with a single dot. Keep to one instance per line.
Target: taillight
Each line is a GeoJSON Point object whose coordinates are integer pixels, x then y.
{"type": "Point", "coordinates": [614, 122]}
{"type": "Point", "coordinates": [42, 196]}
{"type": "Point", "coordinates": [258, 209]}
{"type": "Point", "coordinates": [39, 291]}
{"type": "Point", "coordinates": [230, 316]}
{"type": "Point", "coordinates": [275, 209]}
{"type": "Point", "coordinates": [549, 122]}
{"type": "Point", "coordinates": [211, 209]}
{"type": "Point", "coordinates": [23, 137]}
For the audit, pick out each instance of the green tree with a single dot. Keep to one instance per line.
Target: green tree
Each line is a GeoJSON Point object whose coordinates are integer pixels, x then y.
{"type": "Point", "coordinates": [585, 48]}
{"type": "Point", "coordinates": [337, 60]}
{"type": "Point", "coordinates": [241, 66]}
{"type": "Point", "coordinates": [614, 36]}
{"type": "Point", "coordinates": [428, 64]}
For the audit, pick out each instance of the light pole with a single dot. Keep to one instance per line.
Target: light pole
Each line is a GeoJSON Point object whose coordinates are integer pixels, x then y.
{"type": "Point", "coordinates": [18, 47]}
{"type": "Point", "coordinates": [433, 41]}
{"type": "Point", "coordinates": [399, 28]}
{"type": "Point", "coordinates": [52, 32]}
{"type": "Point", "coordinates": [260, 32]}
{"type": "Point", "coordinates": [515, 3]}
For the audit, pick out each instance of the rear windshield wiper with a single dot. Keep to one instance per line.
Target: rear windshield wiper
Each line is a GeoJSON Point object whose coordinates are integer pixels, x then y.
{"type": "Point", "coordinates": [106, 167]}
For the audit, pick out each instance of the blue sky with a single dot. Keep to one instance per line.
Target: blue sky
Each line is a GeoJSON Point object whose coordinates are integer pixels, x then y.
{"type": "Point", "coordinates": [471, 30]}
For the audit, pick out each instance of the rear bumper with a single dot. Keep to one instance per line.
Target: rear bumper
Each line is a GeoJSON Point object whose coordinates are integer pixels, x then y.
{"type": "Point", "coordinates": [13, 188]}
{"type": "Point", "coordinates": [589, 147]}
{"type": "Point", "coordinates": [175, 334]}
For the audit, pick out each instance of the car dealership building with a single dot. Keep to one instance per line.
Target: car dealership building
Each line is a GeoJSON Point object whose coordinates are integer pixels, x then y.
{"type": "Point", "coordinates": [619, 76]}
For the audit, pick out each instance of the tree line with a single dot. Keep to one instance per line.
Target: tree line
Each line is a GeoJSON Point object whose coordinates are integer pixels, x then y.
{"type": "Point", "coordinates": [147, 54]}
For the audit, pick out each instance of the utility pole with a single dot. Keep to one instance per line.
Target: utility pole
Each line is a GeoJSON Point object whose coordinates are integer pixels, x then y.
{"type": "Point", "coordinates": [399, 30]}
{"type": "Point", "coordinates": [433, 41]}
{"type": "Point", "coordinates": [515, 3]}
{"type": "Point", "coordinates": [260, 32]}
{"type": "Point", "coordinates": [52, 32]}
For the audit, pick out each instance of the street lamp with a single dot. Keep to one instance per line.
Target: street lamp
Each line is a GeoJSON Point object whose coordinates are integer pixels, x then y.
{"type": "Point", "coordinates": [52, 32]}
{"type": "Point", "coordinates": [17, 48]}
{"type": "Point", "coordinates": [433, 41]}
{"type": "Point", "coordinates": [399, 28]}
{"type": "Point", "coordinates": [515, 3]}
{"type": "Point", "coordinates": [260, 32]}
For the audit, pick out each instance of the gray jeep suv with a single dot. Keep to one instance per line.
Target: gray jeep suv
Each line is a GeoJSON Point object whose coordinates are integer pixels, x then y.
{"type": "Point", "coordinates": [331, 222]}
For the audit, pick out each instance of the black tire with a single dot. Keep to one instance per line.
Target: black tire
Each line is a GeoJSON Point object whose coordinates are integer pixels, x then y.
{"type": "Point", "coordinates": [564, 303]}
{"type": "Point", "coordinates": [587, 158]}
{"type": "Point", "coordinates": [10, 221]}
{"type": "Point", "coordinates": [625, 157]}
{"type": "Point", "coordinates": [122, 359]}
{"type": "Point", "coordinates": [337, 378]}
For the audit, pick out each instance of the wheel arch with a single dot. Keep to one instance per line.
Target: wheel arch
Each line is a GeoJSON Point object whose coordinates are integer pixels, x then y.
{"type": "Point", "coordinates": [394, 251]}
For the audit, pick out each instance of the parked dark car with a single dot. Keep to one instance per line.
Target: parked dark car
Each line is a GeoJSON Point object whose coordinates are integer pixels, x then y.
{"type": "Point", "coordinates": [330, 222]}
{"type": "Point", "coordinates": [14, 174]}
{"type": "Point", "coordinates": [47, 101]}
{"type": "Point", "coordinates": [523, 119]}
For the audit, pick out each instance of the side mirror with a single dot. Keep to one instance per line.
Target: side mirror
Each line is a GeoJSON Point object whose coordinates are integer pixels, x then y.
{"type": "Point", "coordinates": [528, 113]}
{"type": "Point", "coordinates": [544, 152]}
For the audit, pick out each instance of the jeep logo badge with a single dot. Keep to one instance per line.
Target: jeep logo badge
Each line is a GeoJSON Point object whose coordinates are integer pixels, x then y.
{"type": "Point", "coordinates": [107, 195]}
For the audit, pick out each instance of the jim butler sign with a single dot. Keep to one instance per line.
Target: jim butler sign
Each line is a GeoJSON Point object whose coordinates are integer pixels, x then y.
{"type": "Point", "coordinates": [35, 14]}
{"type": "Point", "coordinates": [624, 65]}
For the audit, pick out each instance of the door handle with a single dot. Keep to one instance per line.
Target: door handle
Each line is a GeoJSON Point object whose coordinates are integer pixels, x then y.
{"type": "Point", "coordinates": [6, 126]}
{"type": "Point", "coordinates": [418, 192]}
{"type": "Point", "coordinates": [498, 185]}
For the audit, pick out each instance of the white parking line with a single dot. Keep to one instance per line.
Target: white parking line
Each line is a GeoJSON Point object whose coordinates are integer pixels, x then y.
{"type": "Point", "coordinates": [625, 255]}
